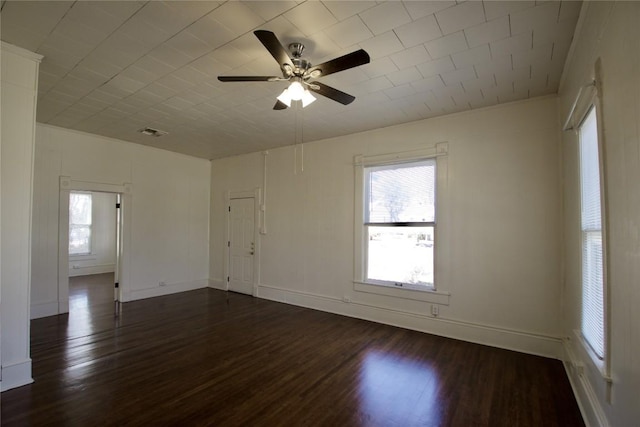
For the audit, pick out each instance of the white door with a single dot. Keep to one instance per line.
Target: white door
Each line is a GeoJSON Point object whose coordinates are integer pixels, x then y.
{"type": "Point", "coordinates": [241, 245]}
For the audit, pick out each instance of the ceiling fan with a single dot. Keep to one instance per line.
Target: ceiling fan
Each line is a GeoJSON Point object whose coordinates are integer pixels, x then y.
{"type": "Point", "coordinates": [301, 73]}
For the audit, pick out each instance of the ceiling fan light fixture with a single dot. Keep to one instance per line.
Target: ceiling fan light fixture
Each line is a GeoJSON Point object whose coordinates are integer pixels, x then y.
{"type": "Point", "coordinates": [307, 98]}
{"type": "Point", "coordinates": [285, 97]}
{"type": "Point", "coordinates": [296, 91]}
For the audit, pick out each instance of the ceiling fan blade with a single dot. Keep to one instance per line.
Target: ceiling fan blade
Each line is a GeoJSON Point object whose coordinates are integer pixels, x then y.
{"type": "Point", "coordinates": [280, 106]}
{"type": "Point", "coordinates": [275, 48]}
{"type": "Point", "coordinates": [332, 93]}
{"type": "Point", "coordinates": [249, 78]}
{"type": "Point", "coordinates": [350, 60]}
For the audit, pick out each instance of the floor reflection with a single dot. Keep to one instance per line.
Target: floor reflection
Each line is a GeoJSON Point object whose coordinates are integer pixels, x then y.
{"type": "Point", "coordinates": [410, 385]}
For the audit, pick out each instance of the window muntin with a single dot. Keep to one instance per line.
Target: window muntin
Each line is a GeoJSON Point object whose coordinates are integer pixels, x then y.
{"type": "Point", "coordinates": [592, 324]}
{"type": "Point", "coordinates": [80, 220]}
{"type": "Point", "coordinates": [399, 221]}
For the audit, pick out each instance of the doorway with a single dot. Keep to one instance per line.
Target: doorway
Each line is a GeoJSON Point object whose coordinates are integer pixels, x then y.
{"type": "Point", "coordinates": [119, 198]}
{"type": "Point", "coordinates": [241, 245]}
{"type": "Point", "coordinates": [94, 235]}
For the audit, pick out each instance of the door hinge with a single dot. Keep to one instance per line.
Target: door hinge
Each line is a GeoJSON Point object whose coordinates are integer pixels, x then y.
{"type": "Point", "coordinates": [229, 208]}
{"type": "Point", "coordinates": [227, 278]}
{"type": "Point", "coordinates": [117, 285]}
{"type": "Point", "coordinates": [229, 244]}
{"type": "Point", "coordinates": [117, 205]}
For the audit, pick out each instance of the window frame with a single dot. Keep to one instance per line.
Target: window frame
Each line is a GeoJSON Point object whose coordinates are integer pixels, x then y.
{"type": "Point", "coordinates": [602, 363]}
{"type": "Point", "coordinates": [437, 293]}
{"type": "Point", "coordinates": [90, 226]}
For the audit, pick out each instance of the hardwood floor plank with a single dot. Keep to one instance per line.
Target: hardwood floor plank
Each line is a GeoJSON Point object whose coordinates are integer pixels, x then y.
{"type": "Point", "coordinates": [207, 357]}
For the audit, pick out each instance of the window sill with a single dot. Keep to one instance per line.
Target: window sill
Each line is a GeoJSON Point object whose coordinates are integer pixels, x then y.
{"type": "Point", "coordinates": [599, 364]}
{"type": "Point", "coordinates": [427, 295]}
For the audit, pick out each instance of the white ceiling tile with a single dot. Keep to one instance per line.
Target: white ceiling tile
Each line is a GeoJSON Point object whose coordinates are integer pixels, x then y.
{"type": "Point", "coordinates": [507, 76]}
{"type": "Point", "coordinates": [178, 103]}
{"type": "Point", "coordinates": [471, 57]}
{"type": "Point", "coordinates": [237, 17]}
{"type": "Point", "coordinates": [418, 9]}
{"type": "Point", "coordinates": [349, 32]}
{"type": "Point", "coordinates": [511, 45]}
{"type": "Point", "coordinates": [210, 66]}
{"type": "Point", "coordinates": [80, 31]}
{"type": "Point", "coordinates": [58, 56]}
{"type": "Point", "coordinates": [540, 55]}
{"type": "Point", "coordinates": [151, 65]}
{"type": "Point", "coordinates": [230, 56]}
{"type": "Point", "coordinates": [190, 74]}
{"type": "Point", "coordinates": [161, 15]}
{"type": "Point", "coordinates": [189, 44]}
{"type": "Point", "coordinates": [41, 15]}
{"type": "Point", "coordinates": [311, 17]}
{"type": "Point", "coordinates": [97, 15]}
{"type": "Point", "coordinates": [478, 84]}
{"type": "Point", "coordinates": [385, 17]}
{"type": "Point", "coordinates": [268, 10]}
{"type": "Point", "coordinates": [552, 33]}
{"type": "Point", "coordinates": [345, 9]}
{"type": "Point", "coordinates": [428, 83]}
{"type": "Point", "coordinates": [487, 32]}
{"type": "Point", "coordinates": [407, 75]}
{"type": "Point", "coordinates": [170, 56]}
{"type": "Point", "coordinates": [461, 16]}
{"type": "Point", "coordinates": [372, 85]}
{"type": "Point", "coordinates": [211, 32]}
{"type": "Point", "coordinates": [72, 46]}
{"type": "Point", "coordinates": [447, 45]}
{"type": "Point", "coordinates": [144, 33]}
{"type": "Point", "coordinates": [410, 57]}
{"type": "Point", "coordinates": [125, 84]}
{"type": "Point", "coordinates": [489, 68]}
{"type": "Point", "coordinates": [379, 67]}
{"type": "Point", "coordinates": [438, 66]}
{"type": "Point", "coordinates": [457, 76]}
{"type": "Point", "coordinates": [18, 35]}
{"type": "Point", "coordinates": [382, 45]}
{"type": "Point", "coordinates": [420, 31]}
{"type": "Point", "coordinates": [496, 9]}
{"type": "Point", "coordinates": [399, 91]}
{"type": "Point", "coordinates": [542, 15]}
{"type": "Point", "coordinates": [136, 73]}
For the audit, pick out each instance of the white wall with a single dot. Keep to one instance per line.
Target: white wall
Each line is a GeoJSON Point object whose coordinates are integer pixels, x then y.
{"type": "Point", "coordinates": [19, 81]}
{"type": "Point", "coordinates": [609, 31]}
{"type": "Point", "coordinates": [102, 258]}
{"type": "Point", "coordinates": [169, 212]}
{"type": "Point", "coordinates": [503, 221]}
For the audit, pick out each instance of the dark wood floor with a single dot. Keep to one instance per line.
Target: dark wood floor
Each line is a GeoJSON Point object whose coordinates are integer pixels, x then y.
{"type": "Point", "coordinates": [210, 358]}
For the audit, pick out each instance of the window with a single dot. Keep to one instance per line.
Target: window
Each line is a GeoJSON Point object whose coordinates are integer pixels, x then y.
{"type": "Point", "coordinates": [592, 248]}
{"type": "Point", "coordinates": [79, 223]}
{"type": "Point", "coordinates": [399, 222]}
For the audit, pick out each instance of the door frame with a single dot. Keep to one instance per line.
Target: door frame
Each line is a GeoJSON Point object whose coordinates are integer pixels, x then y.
{"type": "Point", "coordinates": [243, 194]}
{"type": "Point", "coordinates": [67, 184]}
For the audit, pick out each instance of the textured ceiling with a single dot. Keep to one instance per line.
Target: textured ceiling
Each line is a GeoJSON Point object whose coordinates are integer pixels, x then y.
{"type": "Point", "coordinates": [111, 68]}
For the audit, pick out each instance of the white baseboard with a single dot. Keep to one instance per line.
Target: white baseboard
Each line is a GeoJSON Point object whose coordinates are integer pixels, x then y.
{"type": "Point", "coordinates": [523, 342]}
{"type": "Point", "coordinates": [44, 309]}
{"type": "Point", "coordinates": [169, 288]}
{"type": "Point", "coordinates": [16, 375]}
{"type": "Point", "coordinates": [92, 269]}
{"type": "Point", "coordinates": [592, 412]}
{"type": "Point", "coordinates": [218, 284]}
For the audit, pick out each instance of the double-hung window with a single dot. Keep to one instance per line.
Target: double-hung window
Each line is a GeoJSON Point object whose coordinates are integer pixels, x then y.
{"type": "Point", "coordinates": [593, 278]}
{"type": "Point", "coordinates": [80, 221]}
{"type": "Point", "coordinates": [400, 224]}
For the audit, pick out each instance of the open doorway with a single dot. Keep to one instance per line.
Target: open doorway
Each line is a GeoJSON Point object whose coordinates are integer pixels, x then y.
{"type": "Point", "coordinates": [93, 248]}
{"type": "Point", "coordinates": [72, 246]}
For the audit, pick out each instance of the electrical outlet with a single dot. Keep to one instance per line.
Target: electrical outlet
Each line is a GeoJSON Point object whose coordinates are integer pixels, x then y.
{"type": "Point", "coordinates": [163, 283]}
{"type": "Point", "coordinates": [434, 310]}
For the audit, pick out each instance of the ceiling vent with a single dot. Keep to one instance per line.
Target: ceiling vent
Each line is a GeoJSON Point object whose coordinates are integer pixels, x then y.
{"type": "Point", "coordinates": [152, 132]}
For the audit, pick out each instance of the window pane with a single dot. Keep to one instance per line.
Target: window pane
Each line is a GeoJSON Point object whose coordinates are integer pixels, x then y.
{"type": "Point", "coordinates": [401, 254]}
{"type": "Point", "coordinates": [592, 260]}
{"type": "Point", "coordinates": [80, 208]}
{"type": "Point", "coordinates": [592, 291]}
{"type": "Point", "coordinates": [79, 223]}
{"type": "Point", "coordinates": [79, 239]}
{"type": "Point", "coordinates": [400, 193]}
